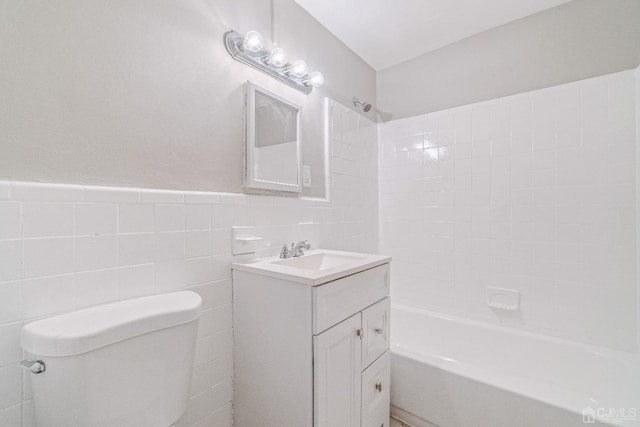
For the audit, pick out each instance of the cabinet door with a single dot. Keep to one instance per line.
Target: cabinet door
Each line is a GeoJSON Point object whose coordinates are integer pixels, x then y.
{"type": "Point", "coordinates": [376, 385]}
{"type": "Point", "coordinates": [375, 323]}
{"type": "Point", "coordinates": [337, 369]}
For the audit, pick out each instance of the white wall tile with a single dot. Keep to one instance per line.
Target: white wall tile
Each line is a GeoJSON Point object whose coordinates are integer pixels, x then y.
{"type": "Point", "coordinates": [12, 416]}
{"type": "Point", "coordinates": [222, 267]}
{"type": "Point", "coordinates": [222, 216]}
{"type": "Point", "coordinates": [198, 407]}
{"type": "Point", "coordinates": [10, 260]}
{"type": "Point", "coordinates": [111, 194]}
{"type": "Point", "coordinates": [198, 217]}
{"type": "Point", "coordinates": [27, 191]}
{"type": "Point", "coordinates": [11, 390]}
{"type": "Point", "coordinates": [222, 393]}
{"type": "Point", "coordinates": [199, 243]}
{"type": "Point", "coordinates": [10, 220]}
{"type": "Point", "coordinates": [48, 256]}
{"type": "Point", "coordinates": [96, 287]}
{"type": "Point", "coordinates": [222, 343]}
{"type": "Point", "coordinates": [222, 368]}
{"type": "Point", "coordinates": [10, 301]}
{"type": "Point", "coordinates": [28, 414]}
{"type": "Point", "coordinates": [202, 382]}
{"type": "Point", "coordinates": [135, 249]}
{"type": "Point", "coordinates": [201, 197]}
{"type": "Point", "coordinates": [170, 245]}
{"type": "Point", "coordinates": [48, 295]}
{"type": "Point", "coordinates": [95, 252]}
{"type": "Point", "coordinates": [47, 219]}
{"type": "Point", "coordinates": [136, 281]}
{"type": "Point", "coordinates": [204, 351]}
{"type": "Point", "coordinates": [161, 196]}
{"type": "Point", "coordinates": [198, 270]}
{"type": "Point", "coordinates": [221, 417]}
{"type": "Point", "coordinates": [170, 218]}
{"type": "Point", "coordinates": [136, 218]}
{"type": "Point", "coordinates": [96, 218]}
{"type": "Point", "coordinates": [170, 275]}
{"type": "Point", "coordinates": [215, 320]}
{"type": "Point", "coordinates": [221, 240]}
{"type": "Point", "coordinates": [10, 351]}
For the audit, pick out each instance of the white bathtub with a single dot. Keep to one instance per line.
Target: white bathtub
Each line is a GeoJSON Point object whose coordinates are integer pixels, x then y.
{"type": "Point", "coordinates": [452, 373]}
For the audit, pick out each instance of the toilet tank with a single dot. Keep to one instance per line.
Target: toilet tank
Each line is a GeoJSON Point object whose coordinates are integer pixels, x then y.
{"type": "Point", "coordinates": [125, 364]}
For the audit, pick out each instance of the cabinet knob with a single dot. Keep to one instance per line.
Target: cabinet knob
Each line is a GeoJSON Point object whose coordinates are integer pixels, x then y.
{"type": "Point", "coordinates": [360, 332]}
{"type": "Point", "coordinates": [379, 387]}
{"type": "Point", "coordinates": [379, 331]}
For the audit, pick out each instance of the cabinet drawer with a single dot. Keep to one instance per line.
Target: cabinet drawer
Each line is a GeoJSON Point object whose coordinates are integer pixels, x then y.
{"type": "Point", "coordinates": [376, 395]}
{"type": "Point", "coordinates": [340, 299]}
{"type": "Point", "coordinates": [375, 323]}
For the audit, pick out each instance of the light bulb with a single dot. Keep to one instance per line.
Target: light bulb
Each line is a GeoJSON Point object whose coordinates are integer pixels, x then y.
{"type": "Point", "coordinates": [278, 57]}
{"type": "Point", "coordinates": [315, 79]}
{"type": "Point", "coordinates": [252, 42]}
{"type": "Point", "coordinates": [298, 68]}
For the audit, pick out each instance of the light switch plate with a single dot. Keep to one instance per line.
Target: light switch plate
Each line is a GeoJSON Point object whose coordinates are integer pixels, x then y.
{"type": "Point", "coordinates": [306, 176]}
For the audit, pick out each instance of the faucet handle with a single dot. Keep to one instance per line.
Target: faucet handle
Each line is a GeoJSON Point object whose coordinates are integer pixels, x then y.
{"type": "Point", "coordinates": [285, 251]}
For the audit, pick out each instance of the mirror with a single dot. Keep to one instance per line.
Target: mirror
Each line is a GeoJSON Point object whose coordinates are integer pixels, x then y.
{"type": "Point", "coordinates": [272, 153]}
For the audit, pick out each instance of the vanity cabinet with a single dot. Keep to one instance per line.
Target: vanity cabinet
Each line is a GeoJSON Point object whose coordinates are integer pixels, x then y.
{"type": "Point", "coordinates": [312, 355]}
{"type": "Point", "coordinates": [352, 370]}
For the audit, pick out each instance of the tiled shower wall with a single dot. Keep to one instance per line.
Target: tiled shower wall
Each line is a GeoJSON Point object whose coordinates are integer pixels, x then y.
{"type": "Point", "coordinates": [533, 192]}
{"type": "Point", "coordinates": [65, 247]}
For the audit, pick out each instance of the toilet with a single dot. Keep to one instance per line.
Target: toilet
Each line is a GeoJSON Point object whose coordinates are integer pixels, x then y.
{"type": "Point", "coordinates": [125, 364]}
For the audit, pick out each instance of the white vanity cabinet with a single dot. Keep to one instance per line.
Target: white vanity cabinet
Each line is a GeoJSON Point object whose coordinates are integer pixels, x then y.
{"type": "Point", "coordinates": [311, 354]}
{"type": "Point", "coordinates": [352, 370]}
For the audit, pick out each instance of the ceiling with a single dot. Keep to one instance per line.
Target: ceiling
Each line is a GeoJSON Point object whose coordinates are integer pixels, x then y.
{"type": "Point", "coordinates": [387, 32]}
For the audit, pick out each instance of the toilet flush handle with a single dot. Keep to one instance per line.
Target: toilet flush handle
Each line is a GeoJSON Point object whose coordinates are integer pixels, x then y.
{"type": "Point", "coordinates": [35, 366]}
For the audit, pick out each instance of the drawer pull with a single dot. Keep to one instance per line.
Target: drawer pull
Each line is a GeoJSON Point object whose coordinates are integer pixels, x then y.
{"type": "Point", "coordinates": [379, 387]}
{"type": "Point", "coordinates": [379, 331]}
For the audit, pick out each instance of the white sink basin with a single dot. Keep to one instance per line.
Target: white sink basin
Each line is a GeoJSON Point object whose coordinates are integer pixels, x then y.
{"type": "Point", "coordinates": [315, 267]}
{"type": "Point", "coordinates": [320, 261]}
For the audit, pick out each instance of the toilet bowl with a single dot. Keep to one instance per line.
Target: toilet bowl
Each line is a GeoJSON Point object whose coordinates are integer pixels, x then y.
{"type": "Point", "coordinates": [125, 364]}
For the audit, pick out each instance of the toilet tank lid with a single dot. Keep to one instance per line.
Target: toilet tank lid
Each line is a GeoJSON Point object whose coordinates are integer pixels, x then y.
{"type": "Point", "coordinates": [91, 328]}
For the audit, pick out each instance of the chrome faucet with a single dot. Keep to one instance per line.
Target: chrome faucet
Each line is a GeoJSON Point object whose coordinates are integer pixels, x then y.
{"type": "Point", "coordinates": [297, 249]}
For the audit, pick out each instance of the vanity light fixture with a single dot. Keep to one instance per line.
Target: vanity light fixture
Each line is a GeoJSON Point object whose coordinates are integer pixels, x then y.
{"type": "Point", "coordinates": [252, 42]}
{"type": "Point", "coordinates": [250, 50]}
{"type": "Point", "coordinates": [315, 79]}
{"type": "Point", "coordinates": [298, 69]}
{"type": "Point", "coordinates": [277, 58]}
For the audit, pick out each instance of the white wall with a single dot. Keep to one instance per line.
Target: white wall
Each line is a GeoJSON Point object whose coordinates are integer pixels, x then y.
{"type": "Point", "coordinates": [63, 248]}
{"type": "Point", "coordinates": [574, 41]}
{"type": "Point", "coordinates": [534, 192]}
{"type": "Point", "coordinates": [143, 93]}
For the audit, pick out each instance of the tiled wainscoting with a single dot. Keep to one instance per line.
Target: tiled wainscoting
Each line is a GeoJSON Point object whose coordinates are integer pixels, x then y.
{"type": "Point", "coordinates": [65, 247]}
{"type": "Point", "coordinates": [534, 192]}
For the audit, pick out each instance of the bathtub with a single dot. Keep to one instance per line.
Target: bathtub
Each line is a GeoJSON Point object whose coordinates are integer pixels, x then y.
{"type": "Point", "coordinates": [451, 372]}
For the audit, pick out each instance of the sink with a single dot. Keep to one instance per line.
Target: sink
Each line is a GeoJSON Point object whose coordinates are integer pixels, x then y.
{"type": "Point", "coordinates": [320, 261]}
{"type": "Point", "coordinates": [315, 267]}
